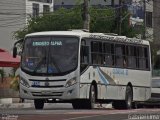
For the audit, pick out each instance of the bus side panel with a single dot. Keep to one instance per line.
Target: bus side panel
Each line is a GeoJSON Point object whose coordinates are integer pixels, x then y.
{"type": "Point", "coordinates": [117, 79]}
{"type": "Point", "coordinates": [148, 93]}
{"type": "Point", "coordinates": [141, 94]}
{"type": "Point", "coordinates": [86, 79]}
{"type": "Point", "coordinates": [84, 91]}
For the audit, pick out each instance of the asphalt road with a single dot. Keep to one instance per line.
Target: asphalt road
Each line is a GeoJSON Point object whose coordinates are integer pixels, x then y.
{"type": "Point", "coordinates": [65, 112]}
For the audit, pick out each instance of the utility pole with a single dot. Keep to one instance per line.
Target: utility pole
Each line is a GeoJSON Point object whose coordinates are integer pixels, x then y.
{"type": "Point", "coordinates": [144, 19]}
{"type": "Point", "coordinates": [86, 15]}
{"type": "Point", "coordinates": [120, 17]}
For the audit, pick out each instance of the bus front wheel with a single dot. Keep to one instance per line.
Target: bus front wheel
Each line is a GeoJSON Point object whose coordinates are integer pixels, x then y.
{"type": "Point", "coordinates": [39, 104]}
{"type": "Point", "coordinates": [88, 103]}
{"type": "Point", "coordinates": [92, 97]}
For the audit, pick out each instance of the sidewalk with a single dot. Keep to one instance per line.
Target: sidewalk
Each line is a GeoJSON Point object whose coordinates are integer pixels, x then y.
{"type": "Point", "coordinates": [12, 103]}
{"type": "Point", "coordinates": [16, 105]}
{"type": "Point", "coordinates": [6, 103]}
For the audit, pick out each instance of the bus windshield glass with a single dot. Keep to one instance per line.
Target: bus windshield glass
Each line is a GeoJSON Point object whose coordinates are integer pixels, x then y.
{"type": "Point", "coordinates": [50, 55]}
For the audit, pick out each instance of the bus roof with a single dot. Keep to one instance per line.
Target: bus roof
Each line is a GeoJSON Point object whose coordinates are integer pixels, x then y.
{"type": "Point", "coordinates": [69, 33]}
{"type": "Point", "coordinates": [98, 36]}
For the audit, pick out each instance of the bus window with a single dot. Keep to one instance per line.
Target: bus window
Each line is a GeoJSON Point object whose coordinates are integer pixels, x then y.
{"type": "Point", "coordinates": [119, 49]}
{"type": "Point", "coordinates": [84, 55]}
{"type": "Point", "coordinates": [146, 57]}
{"type": "Point", "coordinates": [108, 54]}
{"type": "Point", "coordinates": [96, 52]}
{"type": "Point", "coordinates": [131, 56]}
{"type": "Point", "coordinates": [141, 58]}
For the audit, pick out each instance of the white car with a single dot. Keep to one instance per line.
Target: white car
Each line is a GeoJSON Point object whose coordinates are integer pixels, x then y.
{"type": "Point", "coordinates": [155, 91]}
{"type": "Point", "coordinates": [154, 101]}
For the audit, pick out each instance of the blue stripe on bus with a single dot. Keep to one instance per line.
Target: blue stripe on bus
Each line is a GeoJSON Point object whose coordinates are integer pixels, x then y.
{"type": "Point", "coordinates": [102, 77]}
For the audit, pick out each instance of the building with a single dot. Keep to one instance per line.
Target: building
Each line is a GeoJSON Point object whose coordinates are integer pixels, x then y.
{"type": "Point", "coordinates": [100, 3]}
{"type": "Point", "coordinates": [14, 15]}
{"type": "Point", "coordinates": [149, 20]}
{"type": "Point", "coordinates": [138, 15]}
{"type": "Point", "coordinates": [156, 26]}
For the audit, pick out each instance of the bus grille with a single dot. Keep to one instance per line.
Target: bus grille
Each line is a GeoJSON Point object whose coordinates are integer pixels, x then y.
{"type": "Point", "coordinates": [60, 80]}
{"type": "Point", "coordinates": [46, 93]}
{"type": "Point", "coordinates": [54, 86]}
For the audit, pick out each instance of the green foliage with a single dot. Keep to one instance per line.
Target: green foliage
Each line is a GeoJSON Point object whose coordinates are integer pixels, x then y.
{"type": "Point", "coordinates": [128, 30]}
{"type": "Point", "coordinates": [2, 73]}
{"type": "Point", "coordinates": [15, 83]}
{"type": "Point", "coordinates": [13, 71]}
{"type": "Point", "coordinates": [102, 20]}
{"type": "Point", "coordinates": [62, 19]}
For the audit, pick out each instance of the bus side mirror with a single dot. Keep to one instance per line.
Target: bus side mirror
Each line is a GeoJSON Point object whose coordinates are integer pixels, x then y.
{"type": "Point", "coordinates": [14, 52]}
{"type": "Point", "coordinates": [15, 48]}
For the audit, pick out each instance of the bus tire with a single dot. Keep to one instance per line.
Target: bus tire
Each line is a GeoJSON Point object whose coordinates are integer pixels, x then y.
{"type": "Point", "coordinates": [38, 104]}
{"type": "Point", "coordinates": [92, 97]}
{"type": "Point", "coordinates": [129, 98]}
{"type": "Point", "coordinates": [127, 103]}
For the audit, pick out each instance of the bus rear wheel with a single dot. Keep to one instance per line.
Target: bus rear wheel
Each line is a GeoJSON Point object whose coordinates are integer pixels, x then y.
{"type": "Point", "coordinates": [129, 98]}
{"type": "Point", "coordinates": [127, 103]}
{"type": "Point", "coordinates": [38, 104]}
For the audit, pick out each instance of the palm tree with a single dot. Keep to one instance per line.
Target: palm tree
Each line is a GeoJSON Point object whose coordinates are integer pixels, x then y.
{"type": "Point", "coordinates": [86, 15]}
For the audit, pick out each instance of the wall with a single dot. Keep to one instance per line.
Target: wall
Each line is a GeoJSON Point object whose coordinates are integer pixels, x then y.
{"type": "Point", "coordinates": [29, 7]}
{"type": "Point", "coordinates": [71, 3]}
{"type": "Point", "coordinates": [156, 25]}
{"type": "Point", "coordinates": [12, 18]}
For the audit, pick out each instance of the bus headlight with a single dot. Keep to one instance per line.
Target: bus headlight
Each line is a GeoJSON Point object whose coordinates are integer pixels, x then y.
{"type": "Point", "coordinates": [24, 82]}
{"type": "Point", "coordinates": [71, 82]}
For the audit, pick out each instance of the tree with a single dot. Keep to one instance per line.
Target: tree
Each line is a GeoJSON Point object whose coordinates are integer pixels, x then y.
{"type": "Point", "coordinates": [86, 18]}
{"type": "Point", "coordinates": [62, 19]}
{"type": "Point", "coordinates": [102, 20]}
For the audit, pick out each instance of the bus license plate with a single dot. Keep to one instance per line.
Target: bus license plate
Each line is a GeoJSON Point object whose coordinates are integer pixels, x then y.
{"type": "Point", "coordinates": [35, 83]}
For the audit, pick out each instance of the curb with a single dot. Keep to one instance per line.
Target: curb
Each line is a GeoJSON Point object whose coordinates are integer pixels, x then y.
{"type": "Point", "coordinates": [16, 105]}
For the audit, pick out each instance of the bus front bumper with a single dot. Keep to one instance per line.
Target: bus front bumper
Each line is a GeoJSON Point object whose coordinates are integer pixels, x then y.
{"type": "Point", "coordinates": [49, 93]}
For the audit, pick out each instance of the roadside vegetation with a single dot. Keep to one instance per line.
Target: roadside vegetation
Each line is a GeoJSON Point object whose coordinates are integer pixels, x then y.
{"type": "Point", "coordinates": [101, 20]}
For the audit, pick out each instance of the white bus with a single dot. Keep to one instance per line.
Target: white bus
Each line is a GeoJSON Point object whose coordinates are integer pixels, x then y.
{"type": "Point", "coordinates": [84, 68]}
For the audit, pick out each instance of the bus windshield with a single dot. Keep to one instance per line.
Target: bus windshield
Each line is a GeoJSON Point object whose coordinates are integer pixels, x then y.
{"type": "Point", "coordinates": [50, 55]}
